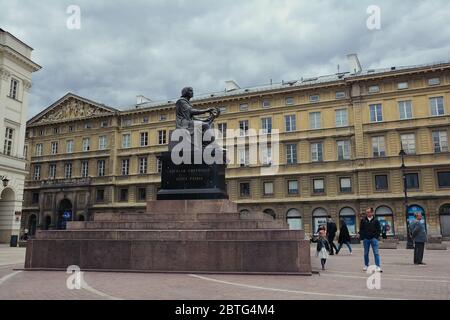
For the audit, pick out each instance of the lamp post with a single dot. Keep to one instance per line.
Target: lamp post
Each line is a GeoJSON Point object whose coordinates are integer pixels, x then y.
{"type": "Point", "coordinates": [409, 244]}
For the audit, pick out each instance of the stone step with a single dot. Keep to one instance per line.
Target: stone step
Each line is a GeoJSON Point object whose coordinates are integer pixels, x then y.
{"type": "Point", "coordinates": [177, 216]}
{"type": "Point", "coordinates": [186, 206]}
{"type": "Point", "coordinates": [178, 225]}
{"type": "Point", "coordinates": [163, 235]}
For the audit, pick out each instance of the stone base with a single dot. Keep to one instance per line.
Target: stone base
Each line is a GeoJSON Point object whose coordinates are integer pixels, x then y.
{"type": "Point", "coordinates": [436, 246]}
{"type": "Point", "coordinates": [174, 236]}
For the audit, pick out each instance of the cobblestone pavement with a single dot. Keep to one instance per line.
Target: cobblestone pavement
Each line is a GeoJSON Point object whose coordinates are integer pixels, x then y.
{"type": "Point", "coordinates": [344, 279]}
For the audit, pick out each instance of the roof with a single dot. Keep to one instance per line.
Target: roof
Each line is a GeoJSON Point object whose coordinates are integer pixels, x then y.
{"type": "Point", "coordinates": [300, 83]}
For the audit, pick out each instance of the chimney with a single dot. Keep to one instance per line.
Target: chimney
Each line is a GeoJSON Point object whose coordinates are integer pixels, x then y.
{"type": "Point", "coordinates": [355, 65]}
{"type": "Point", "coordinates": [140, 99]}
{"type": "Point", "coordinates": [231, 85]}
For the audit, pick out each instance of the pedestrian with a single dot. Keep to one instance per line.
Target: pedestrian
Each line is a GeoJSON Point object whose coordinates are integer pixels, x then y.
{"type": "Point", "coordinates": [419, 236]}
{"type": "Point", "coordinates": [384, 231]}
{"type": "Point", "coordinates": [369, 232]}
{"type": "Point", "coordinates": [323, 247]}
{"type": "Point", "coordinates": [331, 234]}
{"type": "Point", "coordinates": [344, 237]}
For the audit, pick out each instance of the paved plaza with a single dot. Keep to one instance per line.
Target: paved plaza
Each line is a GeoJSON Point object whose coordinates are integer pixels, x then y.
{"type": "Point", "coordinates": [344, 279]}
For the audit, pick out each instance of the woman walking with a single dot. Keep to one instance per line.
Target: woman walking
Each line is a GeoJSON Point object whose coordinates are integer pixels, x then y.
{"type": "Point", "coordinates": [344, 237]}
{"type": "Point", "coordinates": [323, 247]}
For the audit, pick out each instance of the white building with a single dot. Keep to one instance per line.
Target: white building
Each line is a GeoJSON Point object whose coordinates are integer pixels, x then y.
{"type": "Point", "coordinates": [16, 68]}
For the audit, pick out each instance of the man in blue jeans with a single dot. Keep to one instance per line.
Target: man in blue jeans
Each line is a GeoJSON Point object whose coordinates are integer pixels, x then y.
{"type": "Point", "coordinates": [369, 232]}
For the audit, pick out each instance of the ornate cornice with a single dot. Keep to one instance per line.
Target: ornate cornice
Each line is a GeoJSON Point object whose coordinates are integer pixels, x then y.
{"type": "Point", "coordinates": [4, 74]}
{"type": "Point", "coordinates": [20, 58]}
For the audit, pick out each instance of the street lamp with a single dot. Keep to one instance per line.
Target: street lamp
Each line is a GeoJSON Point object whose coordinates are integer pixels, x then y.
{"type": "Point", "coordinates": [409, 244]}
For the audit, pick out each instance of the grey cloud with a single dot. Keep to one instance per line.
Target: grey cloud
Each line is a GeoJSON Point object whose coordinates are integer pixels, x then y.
{"type": "Point", "coordinates": [126, 48]}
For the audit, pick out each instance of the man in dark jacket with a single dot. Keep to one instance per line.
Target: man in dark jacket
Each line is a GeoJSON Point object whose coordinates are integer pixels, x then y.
{"type": "Point", "coordinates": [369, 231]}
{"type": "Point", "coordinates": [331, 234]}
{"type": "Point", "coordinates": [419, 236]}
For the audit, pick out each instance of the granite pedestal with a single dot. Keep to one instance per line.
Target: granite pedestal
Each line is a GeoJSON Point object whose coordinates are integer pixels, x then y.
{"type": "Point", "coordinates": [192, 236]}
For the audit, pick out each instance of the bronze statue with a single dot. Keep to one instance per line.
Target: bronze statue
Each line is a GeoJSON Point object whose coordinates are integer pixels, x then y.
{"type": "Point", "coordinates": [186, 114]}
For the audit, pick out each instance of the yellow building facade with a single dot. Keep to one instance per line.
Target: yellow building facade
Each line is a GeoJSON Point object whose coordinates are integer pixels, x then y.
{"type": "Point", "coordinates": [339, 142]}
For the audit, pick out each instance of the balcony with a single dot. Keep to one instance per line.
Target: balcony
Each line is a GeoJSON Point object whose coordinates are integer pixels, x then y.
{"type": "Point", "coordinates": [59, 183]}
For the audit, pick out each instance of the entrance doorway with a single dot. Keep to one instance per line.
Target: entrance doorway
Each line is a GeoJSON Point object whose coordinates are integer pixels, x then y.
{"type": "Point", "coordinates": [32, 223]}
{"type": "Point", "coordinates": [64, 213]}
{"type": "Point", "coordinates": [444, 214]}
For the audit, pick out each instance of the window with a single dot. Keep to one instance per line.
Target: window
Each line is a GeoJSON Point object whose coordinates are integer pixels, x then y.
{"type": "Point", "coordinates": [434, 81]}
{"type": "Point", "coordinates": [412, 180]}
{"type": "Point", "coordinates": [126, 122]}
{"type": "Point", "coordinates": [244, 189]}
{"type": "Point", "coordinates": [101, 166]}
{"type": "Point", "coordinates": [381, 182]}
{"type": "Point", "coordinates": [343, 148]}
{"type": "Point", "coordinates": [341, 95]}
{"type": "Point", "coordinates": [268, 188]}
{"type": "Point", "coordinates": [145, 119]}
{"type": "Point", "coordinates": [144, 139]}
{"type": "Point", "coordinates": [342, 118]}
{"type": "Point", "coordinates": [319, 185]}
{"type": "Point", "coordinates": [126, 141]}
{"type": "Point", "coordinates": [290, 123]}
{"type": "Point", "coordinates": [86, 144]}
{"type": "Point", "coordinates": [266, 124]}
{"type": "Point", "coordinates": [291, 154]}
{"type": "Point", "coordinates": [25, 152]}
{"type": "Point", "coordinates": [266, 103]}
{"type": "Point", "coordinates": [437, 106]}
{"type": "Point", "coordinates": [243, 156]}
{"type": "Point", "coordinates": [378, 147]}
{"type": "Point", "coordinates": [102, 143]}
{"type": "Point", "coordinates": [289, 101]}
{"type": "Point", "coordinates": [292, 187]}
{"type": "Point", "coordinates": [143, 165]}
{"type": "Point", "coordinates": [314, 98]}
{"type": "Point", "coordinates": [104, 124]}
{"type": "Point", "coordinates": [88, 125]}
{"type": "Point", "coordinates": [55, 130]}
{"type": "Point", "coordinates": [266, 156]}
{"type": "Point", "coordinates": [294, 220]}
{"type": "Point", "coordinates": [141, 194]}
{"type": "Point", "coordinates": [35, 198]}
{"type": "Point", "coordinates": [84, 169]}
{"type": "Point", "coordinates": [408, 143]}
{"type": "Point", "coordinates": [315, 120]}
{"type": "Point", "coordinates": [386, 218]}
{"type": "Point", "coordinates": [69, 146]}
{"type": "Point", "coordinates": [162, 137]}
{"type": "Point", "coordinates": [223, 110]}
{"type": "Point", "coordinates": [125, 167]}
{"type": "Point", "coordinates": [162, 117]}
{"type": "Point", "coordinates": [317, 152]}
{"type": "Point", "coordinates": [440, 141]}
{"type": "Point", "coordinates": [405, 110]}
{"type": "Point", "coordinates": [38, 151]}
{"type": "Point", "coordinates": [345, 185]}
{"type": "Point", "coordinates": [14, 89]}
{"type": "Point", "coordinates": [243, 107]}
{"type": "Point", "coordinates": [100, 195]}
{"type": "Point", "coordinates": [70, 128]}
{"type": "Point", "coordinates": [9, 135]}
{"type": "Point", "coordinates": [123, 195]}
{"type": "Point", "coordinates": [444, 179]}
{"type": "Point", "coordinates": [374, 89]}
{"type": "Point", "coordinates": [54, 148]}
{"type": "Point", "coordinates": [402, 85]}
{"type": "Point", "coordinates": [222, 127]}
{"type": "Point", "coordinates": [37, 172]}
{"type": "Point", "coordinates": [243, 128]}
{"type": "Point", "coordinates": [376, 113]}
{"type": "Point", "coordinates": [68, 171]}
{"type": "Point", "coordinates": [52, 171]}
{"type": "Point", "coordinates": [158, 165]}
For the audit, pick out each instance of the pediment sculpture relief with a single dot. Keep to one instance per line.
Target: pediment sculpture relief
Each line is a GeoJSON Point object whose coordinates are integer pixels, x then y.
{"type": "Point", "coordinates": [72, 109]}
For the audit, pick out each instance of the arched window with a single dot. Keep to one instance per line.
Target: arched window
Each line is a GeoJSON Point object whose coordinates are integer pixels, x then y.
{"type": "Point", "coordinates": [444, 213]}
{"type": "Point", "coordinates": [319, 219]}
{"type": "Point", "coordinates": [294, 219]}
{"type": "Point", "coordinates": [413, 210]}
{"type": "Point", "coordinates": [244, 211]}
{"type": "Point", "coordinates": [386, 217]}
{"type": "Point", "coordinates": [270, 212]}
{"type": "Point", "coordinates": [349, 216]}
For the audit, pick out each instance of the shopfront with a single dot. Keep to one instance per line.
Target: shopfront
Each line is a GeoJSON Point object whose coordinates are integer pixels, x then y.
{"type": "Point", "coordinates": [385, 215]}
{"type": "Point", "coordinates": [444, 216]}
{"type": "Point", "coordinates": [413, 210]}
{"type": "Point", "coordinates": [349, 217]}
{"type": "Point", "coordinates": [319, 219]}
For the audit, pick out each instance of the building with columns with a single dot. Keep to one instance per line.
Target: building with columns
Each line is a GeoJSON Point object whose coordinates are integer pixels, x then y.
{"type": "Point", "coordinates": [16, 68]}
{"type": "Point", "coordinates": [340, 138]}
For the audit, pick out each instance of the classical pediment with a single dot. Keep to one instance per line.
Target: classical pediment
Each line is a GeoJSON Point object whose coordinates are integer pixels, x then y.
{"type": "Point", "coordinates": [69, 108]}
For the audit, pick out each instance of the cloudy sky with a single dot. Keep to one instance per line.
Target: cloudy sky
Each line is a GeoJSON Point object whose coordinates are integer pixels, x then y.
{"type": "Point", "coordinates": [155, 47]}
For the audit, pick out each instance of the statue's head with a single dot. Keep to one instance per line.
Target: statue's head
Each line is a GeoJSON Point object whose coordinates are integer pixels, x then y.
{"type": "Point", "coordinates": [187, 93]}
